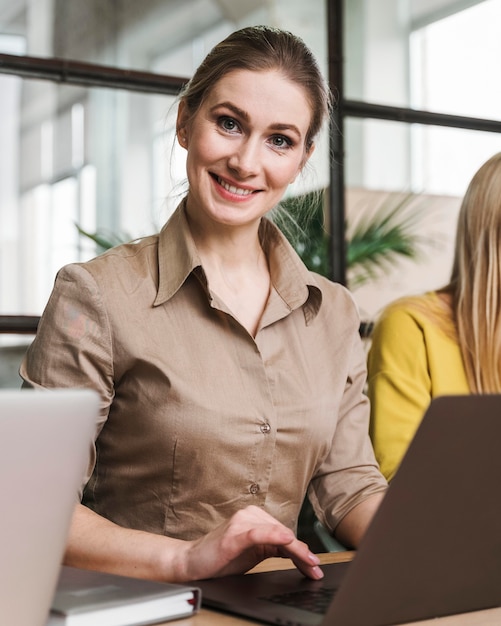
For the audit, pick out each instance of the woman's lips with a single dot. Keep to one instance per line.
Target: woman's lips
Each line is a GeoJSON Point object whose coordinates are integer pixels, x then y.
{"type": "Point", "coordinates": [233, 189]}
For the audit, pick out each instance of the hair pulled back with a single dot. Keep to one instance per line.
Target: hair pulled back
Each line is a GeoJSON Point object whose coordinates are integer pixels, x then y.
{"type": "Point", "coordinates": [262, 48]}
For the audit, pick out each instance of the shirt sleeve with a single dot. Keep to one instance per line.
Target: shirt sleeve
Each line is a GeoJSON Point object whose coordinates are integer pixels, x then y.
{"type": "Point", "coordinates": [399, 385]}
{"type": "Point", "coordinates": [350, 473]}
{"type": "Point", "coordinates": [73, 347]}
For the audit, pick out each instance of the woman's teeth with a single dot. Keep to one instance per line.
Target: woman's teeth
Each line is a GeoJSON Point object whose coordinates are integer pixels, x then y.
{"type": "Point", "coordinates": [233, 189]}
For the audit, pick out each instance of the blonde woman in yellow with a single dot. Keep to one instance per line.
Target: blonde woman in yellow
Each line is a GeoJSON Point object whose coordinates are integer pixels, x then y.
{"type": "Point", "coordinates": [446, 341]}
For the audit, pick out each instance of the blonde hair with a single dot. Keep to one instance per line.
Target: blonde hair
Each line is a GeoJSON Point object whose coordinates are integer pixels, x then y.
{"type": "Point", "coordinates": [475, 284]}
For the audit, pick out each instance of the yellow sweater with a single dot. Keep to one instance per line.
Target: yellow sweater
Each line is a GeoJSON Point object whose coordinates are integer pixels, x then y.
{"type": "Point", "coordinates": [413, 358]}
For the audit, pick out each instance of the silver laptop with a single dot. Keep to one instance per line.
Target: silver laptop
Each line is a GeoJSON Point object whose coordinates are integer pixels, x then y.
{"type": "Point", "coordinates": [433, 548]}
{"type": "Point", "coordinates": [45, 439]}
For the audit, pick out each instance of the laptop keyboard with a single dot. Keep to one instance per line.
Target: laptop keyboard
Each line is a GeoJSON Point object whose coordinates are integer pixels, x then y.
{"type": "Point", "coordinates": [313, 600]}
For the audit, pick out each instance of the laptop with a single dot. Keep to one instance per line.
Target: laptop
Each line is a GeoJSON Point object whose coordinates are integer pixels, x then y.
{"type": "Point", "coordinates": [433, 548]}
{"type": "Point", "coordinates": [45, 439]}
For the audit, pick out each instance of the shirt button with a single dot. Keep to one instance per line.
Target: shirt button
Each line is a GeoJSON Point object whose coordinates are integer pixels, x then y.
{"type": "Point", "coordinates": [254, 488]}
{"type": "Point", "coordinates": [265, 428]}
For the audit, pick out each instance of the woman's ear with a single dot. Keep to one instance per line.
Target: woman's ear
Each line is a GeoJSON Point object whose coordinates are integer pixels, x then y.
{"type": "Point", "coordinates": [182, 124]}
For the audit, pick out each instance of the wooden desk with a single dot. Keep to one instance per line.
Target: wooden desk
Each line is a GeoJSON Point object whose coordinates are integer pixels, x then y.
{"type": "Point", "coordinates": [206, 617]}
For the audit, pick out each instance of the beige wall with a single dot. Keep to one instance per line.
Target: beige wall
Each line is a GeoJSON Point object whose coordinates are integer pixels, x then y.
{"type": "Point", "coordinates": [436, 224]}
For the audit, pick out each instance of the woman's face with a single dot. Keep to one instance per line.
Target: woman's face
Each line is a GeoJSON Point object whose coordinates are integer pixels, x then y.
{"type": "Point", "coordinates": [245, 145]}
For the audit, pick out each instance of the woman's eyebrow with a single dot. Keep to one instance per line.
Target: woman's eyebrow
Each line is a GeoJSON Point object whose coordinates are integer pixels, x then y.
{"type": "Point", "coordinates": [245, 116]}
{"type": "Point", "coordinates": [229, 105]}
{"type": "Point", "coordinates": [289, 127]}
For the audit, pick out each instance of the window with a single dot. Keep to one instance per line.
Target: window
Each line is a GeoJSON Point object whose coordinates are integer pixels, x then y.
{"type": "Point", "coordinates": [414, 55]}
{"type": "Point", "coordinates": [101, 157]}
{"type": "Point", "coordinates": [449, 75]}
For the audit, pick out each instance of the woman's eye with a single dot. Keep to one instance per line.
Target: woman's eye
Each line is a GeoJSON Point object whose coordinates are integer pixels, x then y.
{"type": "Point", "coordinates": [280, 141]}
{"type": "Point", "coordinates": [228, 124]}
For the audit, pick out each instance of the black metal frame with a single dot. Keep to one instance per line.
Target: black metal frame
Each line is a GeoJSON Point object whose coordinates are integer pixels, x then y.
{"type": "Point", "coordinates": [19, 324]}
{"type": "Point", "coordinates": [352, 108]}
{"type": "Point", "coordinates": [92, 75]}
{"type": "Point", "coordinates": [89, 74]}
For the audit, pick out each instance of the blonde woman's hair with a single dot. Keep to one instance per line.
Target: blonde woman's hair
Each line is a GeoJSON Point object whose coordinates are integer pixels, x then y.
{"type": "Point", "coordinates": [475, 283]}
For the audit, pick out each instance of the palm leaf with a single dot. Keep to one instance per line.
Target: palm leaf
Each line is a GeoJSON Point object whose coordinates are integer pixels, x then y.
{"type": "Point", "coordinates": [377, 242]}
{"type": "Point", "coordinates": [302, 220]}
{"type": "Point", "coordinates": [105, 239]}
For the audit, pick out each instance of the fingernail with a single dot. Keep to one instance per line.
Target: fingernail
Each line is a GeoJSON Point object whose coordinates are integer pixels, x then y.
{"type": "Point", "coordinates": [317, 572]}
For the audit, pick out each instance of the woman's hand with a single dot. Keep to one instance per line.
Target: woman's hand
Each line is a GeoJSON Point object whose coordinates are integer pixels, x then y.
{"type": "Point", "coordinates": [247, 538]}
{"type": "Point", "coordinates": [235, 546]}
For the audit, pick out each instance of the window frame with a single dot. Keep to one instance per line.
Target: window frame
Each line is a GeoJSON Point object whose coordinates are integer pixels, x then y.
{"type": "Point", "coordinates": [95, 75]}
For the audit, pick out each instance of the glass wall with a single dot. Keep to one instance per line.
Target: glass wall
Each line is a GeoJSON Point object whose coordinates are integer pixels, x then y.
{"type": "Point", "coordinates": [89, 159]}
{"type": "Point", "coordinates": [450, 76]}
{"type": "Point", "coordinates": [105, 159]}
{"type": "Point", "coordinates": [428, 56]}
{"type": "Point", "coordinates": [102, 158]}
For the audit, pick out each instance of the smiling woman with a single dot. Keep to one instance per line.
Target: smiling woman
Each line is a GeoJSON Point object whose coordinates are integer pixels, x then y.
{"type": "Point", "coordinates": [246, 144]}
{"type": "Point", "coordinates": [227, 391]}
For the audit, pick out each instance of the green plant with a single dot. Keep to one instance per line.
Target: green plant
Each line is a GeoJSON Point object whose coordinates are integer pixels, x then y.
{"type": "Point", "coordinates": [105, 239]}
{"type": "Point", "coordinates": [378, 240]}
{"type": "Point", "coordinates": [375, 240]}
{"type": "Point", "coordinates": [302, 220]}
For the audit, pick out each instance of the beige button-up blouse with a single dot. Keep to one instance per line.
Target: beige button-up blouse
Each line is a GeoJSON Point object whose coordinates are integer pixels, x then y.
{"type": "Point", "coordinates": [199, 419]}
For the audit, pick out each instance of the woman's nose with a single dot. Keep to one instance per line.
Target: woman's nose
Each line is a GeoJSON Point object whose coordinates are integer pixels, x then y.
{"type": "Point", "coordinates": [245, 160]}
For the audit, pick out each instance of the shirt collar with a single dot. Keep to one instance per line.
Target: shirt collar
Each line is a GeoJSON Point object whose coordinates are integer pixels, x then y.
{"type": "Point", "coordinates": [293, 282]}
{"type": "Point", "coordinates": [177, 255]}
{"type": "Point", "coordinates": [178, 258]}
